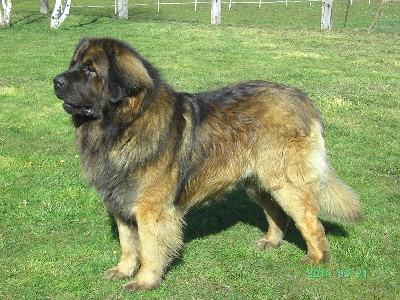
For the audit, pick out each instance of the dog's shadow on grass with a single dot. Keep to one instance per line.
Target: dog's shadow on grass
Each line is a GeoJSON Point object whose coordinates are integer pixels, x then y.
{"type": "Point", "coordinates": [215, 216]}
{"type": "Point", "coordinates": [237, 207]}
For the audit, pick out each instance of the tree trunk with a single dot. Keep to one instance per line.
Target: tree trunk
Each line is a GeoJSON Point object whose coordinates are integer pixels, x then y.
{"type": "Point", "coordinates": [346, 17]}
{"type": "Point", "coordinates": [44, 6]}
{"type": "Point", "coordinates": [5, 13]}
{"type": "Point", "coordinates": [58, 16]}
{"type": "Point", "coordinates": [326, 16]}
{"type": "Point", "coordinates": [216, 12]}
{"type": "Point", "coordinates": [377, 15]}
{"type": "Point", "coordinates": [123, 9]}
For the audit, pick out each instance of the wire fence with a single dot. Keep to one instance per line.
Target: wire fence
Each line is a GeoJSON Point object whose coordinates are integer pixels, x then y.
{"type": "Point", "coordinates": [196, 3]}
{"type": "Point", "coordinates": [230, 2]}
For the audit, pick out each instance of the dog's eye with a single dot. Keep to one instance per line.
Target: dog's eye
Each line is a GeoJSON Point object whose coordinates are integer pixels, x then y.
{"type": "Point", "coordinates": [88, 70]}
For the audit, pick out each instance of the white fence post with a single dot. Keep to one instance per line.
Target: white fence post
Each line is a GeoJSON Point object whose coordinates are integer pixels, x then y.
{"type": "Point", "coordinates": [326, 15]}
{"type": "Point", "coordinates": [216, 12]}
{"type": "Point", "coordinates": [123, 9]}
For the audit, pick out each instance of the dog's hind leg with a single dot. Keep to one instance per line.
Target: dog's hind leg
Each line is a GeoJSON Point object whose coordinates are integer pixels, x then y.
{"type": "Point", "coordinates": [301, 205]}
{"type": "Point", "coordinates": [276, 217]}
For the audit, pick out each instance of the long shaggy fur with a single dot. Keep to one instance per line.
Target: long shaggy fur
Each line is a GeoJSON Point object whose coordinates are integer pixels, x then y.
{"type": "Point", "coordinates": [153, 153]}
{"type": "Point", "coordinates": [337, 200]}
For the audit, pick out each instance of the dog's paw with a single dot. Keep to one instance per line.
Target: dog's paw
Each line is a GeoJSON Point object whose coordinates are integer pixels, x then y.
{"type": "Point", "coordinates": [116, 274]}
{"type": "Point", "coordinates": [264, 244]}
{"type": "Point", "coordinates": [316, 259]}
{"type": "Point", "coordinates": [135, 285]}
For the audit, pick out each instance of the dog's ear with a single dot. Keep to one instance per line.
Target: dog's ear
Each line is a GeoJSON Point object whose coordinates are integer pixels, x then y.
{"type": "Point", "coordinates": [127, 76]}
{"type": "Point", "coordinates": [82, 45]}
{"type": "Point", "coordinates": [118, 86]}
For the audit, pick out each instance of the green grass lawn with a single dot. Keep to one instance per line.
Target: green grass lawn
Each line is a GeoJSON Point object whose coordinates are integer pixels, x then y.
{"type": "Point", "coordinates": [55, 236]}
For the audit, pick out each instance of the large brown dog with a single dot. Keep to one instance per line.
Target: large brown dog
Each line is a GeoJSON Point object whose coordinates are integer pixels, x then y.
{"type": "Point", "coordinates": [153, 153]}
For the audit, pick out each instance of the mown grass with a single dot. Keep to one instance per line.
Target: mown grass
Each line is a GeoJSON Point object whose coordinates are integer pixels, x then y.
{"type": "Point", "coordinates": [56, 238]}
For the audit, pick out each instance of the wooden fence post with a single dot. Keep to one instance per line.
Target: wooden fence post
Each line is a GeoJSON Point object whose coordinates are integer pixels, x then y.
{"type": "Point", "coordinates": [216, 12]}
{"type": "Point", "coordinates": [326, 15]}
{"type": "Point", "coordinates": [123, 9]}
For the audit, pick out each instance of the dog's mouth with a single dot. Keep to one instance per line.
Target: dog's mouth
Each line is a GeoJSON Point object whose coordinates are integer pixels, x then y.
{"type": "Point", "coordinates": [76, 110]}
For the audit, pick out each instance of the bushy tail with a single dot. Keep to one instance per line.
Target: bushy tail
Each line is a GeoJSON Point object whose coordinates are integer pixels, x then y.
{"type": "Point", "coordinates": [337, 200]}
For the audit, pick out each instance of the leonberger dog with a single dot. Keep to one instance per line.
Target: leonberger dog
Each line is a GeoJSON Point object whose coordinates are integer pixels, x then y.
{"type": "Point", "coordinates": [153, 153]}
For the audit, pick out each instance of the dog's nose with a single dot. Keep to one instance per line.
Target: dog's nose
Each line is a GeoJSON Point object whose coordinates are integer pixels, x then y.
{"type": "Point", "coordinates": [59, 81]}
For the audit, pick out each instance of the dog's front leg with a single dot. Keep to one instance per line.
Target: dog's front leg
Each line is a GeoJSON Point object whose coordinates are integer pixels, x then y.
{"type": "Point", "coordinates": [160, 238]}
{"type": "Point", "coordinates": [129, 241]}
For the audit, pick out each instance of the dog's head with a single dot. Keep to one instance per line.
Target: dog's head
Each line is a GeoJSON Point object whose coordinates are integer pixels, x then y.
{"type": "Point", "coordinates": [105, 75]}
